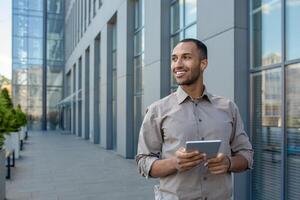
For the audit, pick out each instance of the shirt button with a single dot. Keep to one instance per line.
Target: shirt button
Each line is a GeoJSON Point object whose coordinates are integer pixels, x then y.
{"type": "Point", "coordinates": [200, 120]}
{"type": "Point", "coordinates": [205, 178]}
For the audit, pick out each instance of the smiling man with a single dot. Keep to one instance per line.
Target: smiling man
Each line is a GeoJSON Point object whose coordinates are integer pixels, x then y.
{"type": "Point", "coordinates": [192, 113]}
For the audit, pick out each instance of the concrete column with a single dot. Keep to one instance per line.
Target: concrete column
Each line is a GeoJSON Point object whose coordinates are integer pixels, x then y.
{"type": "Point", "coordinates": [225, 35]}
{"type": "Point", "coordinates": [77, 127]}
{"type": "Point", "coordinates": [91, 92]}
{"type": "Point", "coordinates": [125, 79]}
{"type": "Point", "coordinates": [103, 86]}
{"type": "Point", "coordinates": [157, 53]}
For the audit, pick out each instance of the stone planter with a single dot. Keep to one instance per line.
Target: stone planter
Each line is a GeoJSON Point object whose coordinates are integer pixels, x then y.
{"type": "Point", "coordinates": [22, 133]}
{"type": "Point", "coordinates": [15, 143]}
{"type": "Point", "coordinates": [2, 174]}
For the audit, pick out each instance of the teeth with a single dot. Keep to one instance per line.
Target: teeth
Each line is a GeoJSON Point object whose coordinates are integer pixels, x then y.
{"type": "Point", "coordinates": [179, 73]}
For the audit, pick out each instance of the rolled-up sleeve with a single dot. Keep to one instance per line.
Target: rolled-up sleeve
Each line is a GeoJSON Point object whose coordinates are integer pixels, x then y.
{"type": "Point", "coordinates": [240, 143]}
{"type": "Point", "coordinates": [150, 142]}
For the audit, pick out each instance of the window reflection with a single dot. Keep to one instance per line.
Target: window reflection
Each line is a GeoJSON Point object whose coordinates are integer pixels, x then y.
{"type": "Point", "coordinates": [266, 134]}
{"type": "Point", "coordinates": [183, 25]}
{"type": "Point", "coordinates": [292, 29]}
{"type": "Point", "coordinates": [190, 11]}
{"type": "Point", "coordinates": [35, 27]}
{"type": "Point", "coordinates": [293, 129]}
{"type": "Point", "coordinates": [266, 31]}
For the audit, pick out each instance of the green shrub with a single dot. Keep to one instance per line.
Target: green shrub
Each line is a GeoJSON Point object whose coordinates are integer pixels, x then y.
{"type": "Point", "coordinates": [10, 119]}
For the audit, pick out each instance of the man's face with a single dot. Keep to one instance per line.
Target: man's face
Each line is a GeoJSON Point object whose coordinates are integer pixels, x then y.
{"type": "Point", "coordinates": [187, 65]}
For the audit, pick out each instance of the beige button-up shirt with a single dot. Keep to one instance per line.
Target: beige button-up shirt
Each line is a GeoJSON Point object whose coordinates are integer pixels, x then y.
{"type": "Point", "coordinates": [175, 119]}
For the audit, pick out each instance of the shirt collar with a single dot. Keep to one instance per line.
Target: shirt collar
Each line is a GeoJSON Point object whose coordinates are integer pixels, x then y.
{"type": "Point", "coordinates": [182, 95]}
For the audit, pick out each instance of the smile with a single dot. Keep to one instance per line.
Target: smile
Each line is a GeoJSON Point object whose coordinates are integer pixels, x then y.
{"type": "Point", "coordinates": [179, 74]}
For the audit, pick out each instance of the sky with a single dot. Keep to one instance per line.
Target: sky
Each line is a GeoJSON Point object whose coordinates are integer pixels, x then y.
{"type": "Point", "coordinates": [5, 38]}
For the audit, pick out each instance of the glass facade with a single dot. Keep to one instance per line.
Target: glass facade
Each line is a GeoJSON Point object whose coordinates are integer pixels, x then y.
{"type": "Point", "coordinates": [55, 59]}
{"type": "Point", "coordinates": [275, 117]}
{"type": "Point", "coordinates": [29, 60]}
{"type": "Point", "coordinates": [139, 39]}
{"type": "Point", "coordinates": [183, 25]}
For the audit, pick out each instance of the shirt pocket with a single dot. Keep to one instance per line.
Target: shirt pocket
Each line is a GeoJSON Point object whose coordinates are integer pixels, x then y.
{"type": "Point", "coordinates": [179, 129]}
{"type": "Point", "coordinates": [220, 129]}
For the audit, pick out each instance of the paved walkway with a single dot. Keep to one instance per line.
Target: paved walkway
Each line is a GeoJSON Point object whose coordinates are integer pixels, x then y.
{"type": "Point", "coordinates": [56, 166]}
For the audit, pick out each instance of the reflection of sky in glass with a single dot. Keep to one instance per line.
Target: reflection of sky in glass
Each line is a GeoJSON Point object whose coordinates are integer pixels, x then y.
{"type": "Point", "coordinates": [292, 29]}
{"type": "Point", "coordinates": [190, 11]}
{"type": "Point", "coordinates": [271, 32]}
{"type": "Point", "coordinates": [266, 32]}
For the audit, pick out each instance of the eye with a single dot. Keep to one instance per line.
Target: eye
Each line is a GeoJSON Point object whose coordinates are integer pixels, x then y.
{"type": "Point", "coordinates": [174, 59]}
{"type": "Point", "coordinates": [187, 57]}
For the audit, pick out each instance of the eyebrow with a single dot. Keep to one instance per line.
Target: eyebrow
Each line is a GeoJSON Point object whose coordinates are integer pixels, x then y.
{"type": "Point", "coordinates": [184, 54]}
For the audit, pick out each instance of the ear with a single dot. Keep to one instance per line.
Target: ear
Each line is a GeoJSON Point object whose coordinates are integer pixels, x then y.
{"type": "Point", "coordinates": [203, 64]}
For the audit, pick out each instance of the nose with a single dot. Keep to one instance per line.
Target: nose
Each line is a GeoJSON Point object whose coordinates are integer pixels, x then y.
{"type": "Point", "coordinates": [177, 63]}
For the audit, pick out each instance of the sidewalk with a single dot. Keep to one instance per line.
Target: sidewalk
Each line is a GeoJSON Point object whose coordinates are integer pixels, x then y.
{"type": "Point", "coordinates": [55, 166]}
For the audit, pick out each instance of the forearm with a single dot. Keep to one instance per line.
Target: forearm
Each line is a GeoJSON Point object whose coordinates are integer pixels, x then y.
{"type": "Point", "coordinates": [162, 168]}
{"type": "Point", "coordinates": [238, 163]}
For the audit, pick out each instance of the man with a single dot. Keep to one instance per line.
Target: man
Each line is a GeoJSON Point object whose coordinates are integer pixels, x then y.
{"type": "Point", "coordinates": [191, 113]}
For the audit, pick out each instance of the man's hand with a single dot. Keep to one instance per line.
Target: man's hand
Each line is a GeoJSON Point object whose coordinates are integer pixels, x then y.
{"type": "Point", "coordinates": [219, 164]}
{"type": "Point", "coordinates": [187, 160]}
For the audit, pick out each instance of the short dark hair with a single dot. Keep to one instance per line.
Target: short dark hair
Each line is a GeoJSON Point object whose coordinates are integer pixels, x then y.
{"type": "Point", "coordinates": [200, 46]}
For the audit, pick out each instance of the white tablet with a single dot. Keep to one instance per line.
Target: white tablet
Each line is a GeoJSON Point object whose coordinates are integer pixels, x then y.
{"type": "Point", "coordinates": [210, 147]}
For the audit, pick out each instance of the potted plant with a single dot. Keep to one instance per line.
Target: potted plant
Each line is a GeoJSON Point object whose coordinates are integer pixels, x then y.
{"type": "Point", "coordinates": [3, 131]}
{"type": "Point", "coordinates": [11, 122]}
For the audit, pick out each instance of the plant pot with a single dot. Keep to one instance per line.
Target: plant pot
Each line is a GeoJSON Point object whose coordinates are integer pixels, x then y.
{"type": "Point", "coordinates": [15, 142]}
{"type": "Point", "coordinates": [22, 133]}
{"type": "Point", "coordinates": [2, 174]}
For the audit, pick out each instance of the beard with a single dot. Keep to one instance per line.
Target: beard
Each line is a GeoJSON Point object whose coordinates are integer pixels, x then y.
{"type": "Point", "coordinates": [191, 80]}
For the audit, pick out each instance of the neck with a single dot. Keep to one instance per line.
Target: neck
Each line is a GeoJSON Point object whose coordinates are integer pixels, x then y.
{"type": "Point", "coordinates": [194, 90]}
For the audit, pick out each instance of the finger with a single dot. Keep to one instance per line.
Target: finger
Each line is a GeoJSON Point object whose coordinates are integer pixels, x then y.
{"type": "Point", "coordinates": [213, 164]}
{"type": "Point", "coordinates": [195, 158]}
{"type": "Point", "coordinates": [219, 158]}
{"type": "Point", "coordinates": [190, 164]}
{"type": "Point", "coordinates": [217, 168]}
{"type": "Point", "coordinates": [187, 155]}
{"type": "Point", "coordinates": [218, 172]}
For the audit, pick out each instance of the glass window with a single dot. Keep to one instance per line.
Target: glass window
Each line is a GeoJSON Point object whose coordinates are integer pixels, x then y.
{"type": "Point", "coordinates": [191, 32]}
{"type": "Point", "coordinates": [20, 24]}
{"type": "Point", "coordinates": [55, 6]}
{"type": "Point", "coordinates": [55, 50]}
{"type": "Point", "coordinates": [266, 32]}
{"type": "Point", "coordinates": [20, 48]}
{"type": "Point", "coordinates": [190, 12]}
{"type": "Point", "coordinates": [55, 29]}
{"type": "Point", "coordinates": [36, 5]}
{"type": "Point", "coordinates": [138, 75]}
{"type": "Point", "coordinates": [20, 4]}
{"type": "Point", "coordinates": [183, 25]}
{"type": "Point", "coordinates": [293, 130]}
{"type": "Point", "coordinates": [139, 42]}
{"type": "Point", "coordinates": [138, 69]}
{"type": "Point", "coordinates": [35, 27]}
{"type": "Point", "coordinates": [292, 29]}
{"type": "Point", "coordinates": [266, 134]}
{"type": "Point", "coordinates": [85, 14]}
{"type": "Point", "coordinates": [176, 16]}
{"type": "Point", "coordinates": [35, 48]}
{"type": "Point", "coordinates": [94, 7]}
{"type": "Point", "coordinates": [114, 85]}
{"type": "Point", "coordinates": [54, 76]}
{"type": "Point", "coordinates": [90, 13]}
